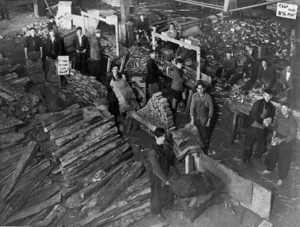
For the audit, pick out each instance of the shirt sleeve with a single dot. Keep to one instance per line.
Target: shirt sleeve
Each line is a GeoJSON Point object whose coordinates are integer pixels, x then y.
{"type": "Point", "coordinates": [154, 160]}
{"type": "Point", "coordinates": [26, 42]}
{"type": "Point", "coordinates": [293, 131]}
{"type": "Point", "coordinates": [192, 108]}
{"type": "Point", "coordinates": [210, 106]}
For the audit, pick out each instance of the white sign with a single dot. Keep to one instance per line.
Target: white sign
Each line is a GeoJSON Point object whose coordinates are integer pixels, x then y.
{"type": "Point", "coordinates": [63, 65]}
{"type": "Point", "coordinates": [287, 10]}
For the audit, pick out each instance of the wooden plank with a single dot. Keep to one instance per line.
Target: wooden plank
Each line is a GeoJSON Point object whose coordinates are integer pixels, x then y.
{"type": "Point", "coordinates": [25, 158]}
{"type": "Point", "coordinates": [248, 193]}
{"type": "Point", "coordinates": [136, 116]}
{"type": "Point", "coordinates": [34, 209]}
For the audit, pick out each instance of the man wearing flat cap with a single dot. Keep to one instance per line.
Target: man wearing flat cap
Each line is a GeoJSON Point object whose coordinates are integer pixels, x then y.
{"type": "Point", "coordinates": [96, 53]}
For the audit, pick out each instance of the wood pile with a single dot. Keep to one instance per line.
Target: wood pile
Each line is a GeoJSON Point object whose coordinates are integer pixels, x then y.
{"type": "Point", "coordinates": [137, 61]}
{"type": "Point", "coordinates": [15, 102]}
{"type": "Point", "coordinates": [86, 89]}
{"type": "Point", "coordinates": [96, 167]}
{"type": "Point", "coordinates": [158, 112]}
{"type": "Point", "coordinates": [28, 195]}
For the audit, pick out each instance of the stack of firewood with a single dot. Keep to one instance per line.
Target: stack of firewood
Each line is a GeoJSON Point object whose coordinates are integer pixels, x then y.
{"type": "Point", "coordinates": [28, 196]}
{"type": "Point", "coordinates": [15, 102]}
{"type": "Point", "coordinates": [86, 89]}
{"type": "Point", "coordinates": [95, 161]}
{"type": "Point", "coordinates": [158, 112]}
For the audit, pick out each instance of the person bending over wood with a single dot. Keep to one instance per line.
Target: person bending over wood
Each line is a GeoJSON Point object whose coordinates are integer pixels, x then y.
{"type": "Point", "coordinates": [81, 45]}
{"type": "Point", "coordinates": [261, 116]}
{"type": "Point", "coordinates": [161, 159]}
{"type": "Point", "coordinates": [284, 135]}
{"type": "Point", "coordinates": [201, 112]}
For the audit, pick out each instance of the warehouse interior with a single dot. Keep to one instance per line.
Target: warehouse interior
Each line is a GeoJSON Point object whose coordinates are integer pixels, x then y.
{"type": "Point", "coordinates": [78, 124]}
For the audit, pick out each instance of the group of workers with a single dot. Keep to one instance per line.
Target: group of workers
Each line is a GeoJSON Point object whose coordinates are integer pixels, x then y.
{"type": "Point", "coordinates": [261, 116]}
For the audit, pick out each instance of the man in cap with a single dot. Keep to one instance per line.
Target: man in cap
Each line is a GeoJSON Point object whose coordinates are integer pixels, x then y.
{"type": "Point", "coordinates": [96, 53]}
{"type": "Point", "coordinates": [33, 46]}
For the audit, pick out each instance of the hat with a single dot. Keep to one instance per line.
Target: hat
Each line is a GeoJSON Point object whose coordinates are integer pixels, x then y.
{"type": "Point", "coordinates": [97, 31]}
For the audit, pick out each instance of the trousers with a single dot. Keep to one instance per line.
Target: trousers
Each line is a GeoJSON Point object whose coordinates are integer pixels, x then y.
{"type": "Point", "coordinates": [281, 154]}
{"type": "Point", "coordinates": [254, 135]}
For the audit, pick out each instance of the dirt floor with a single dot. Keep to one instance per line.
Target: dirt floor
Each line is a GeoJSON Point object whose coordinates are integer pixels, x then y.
{"type": "Point", "coordinates": [286, 204]}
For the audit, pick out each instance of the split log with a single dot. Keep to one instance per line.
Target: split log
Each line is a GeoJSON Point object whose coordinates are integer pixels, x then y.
{"type": "Point", "coordinates": [8, 130]}
{"type": "Point", "coordinates": [115, 187]}
{"type": "Point", "coordinates": [11, 138]}
{"type": "Point", "coordinates": [36, 218]}
{"type": "Point", "coordinates": [64, 121]}
{"type": "Point", "coordinates": [19, 199]}
{"type": "Point", "coordinates": [42, 197]}
{"type": "Point", "coordinates": [34, 209]}
{"type": "Point", "coordinates": [52, 218]}
{"type": "Point", "coordinates": [10, 122]}
{"type": "Point", "coordinates": [39, 189]}
{"type": "Point", "coordinates": [62, 113]}
{"type": "Point", "coordinates": [9, 77]}
{"type": "Point", "coordinates": [25, 158]}
{"type": "Point", "coordinates": [78, 165]}
{"type": "Point", "coordinates": [74, 106]}
{"type": "Point", "coordinates": [106, 162]}
{"type": "Point", "coordinates": [82, 132]}
{"type": "Point", "coordinates": [90, 144]}
{"type": "Point", "coordinates": [10, 91]}
{"type": "Point", "coordinates": [31, 174]}
{"type": "Point", "coordinates": [18, 82]}
{"type": "Point", "coordinates": [87, 191]}
{"type": "Point", "coordinates": [7, 97]}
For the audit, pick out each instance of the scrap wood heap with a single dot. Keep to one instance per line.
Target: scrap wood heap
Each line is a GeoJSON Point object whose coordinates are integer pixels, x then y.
{"type": "Point", "coordinates": [86, 89]}
{"type": "Point", "coordinates": [158, 112]}
{"type": "Point", "coordinates": [28, 194]}
{"type": "Point", "coordinates": [14, 101]}
{"type": "Point", "coordinates": [95, 161]}
{"type": "Point", "coordinates": [232, 33]}
{"type": "Point", "coordinates": [137, 61]}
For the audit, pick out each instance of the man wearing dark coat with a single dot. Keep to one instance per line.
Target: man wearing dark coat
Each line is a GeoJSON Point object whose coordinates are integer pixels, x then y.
{"type": "Point", "coordinates": [54, 46]}
{"type": "Point", "coordinates": [161, 160]}
{"type": "Point", "coordinates": [81, 45]}
{"type": "Point", "coordinates": [95, 56]}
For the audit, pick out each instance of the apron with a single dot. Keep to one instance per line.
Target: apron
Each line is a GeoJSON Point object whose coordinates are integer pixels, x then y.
{"type": "Point", "coordinates": [161, 196]}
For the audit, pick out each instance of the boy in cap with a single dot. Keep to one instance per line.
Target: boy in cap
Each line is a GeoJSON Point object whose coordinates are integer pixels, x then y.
{"type": "Point", "coordinates": [177, 83]}
{"type": "Point", "coordinates": [81, 45]}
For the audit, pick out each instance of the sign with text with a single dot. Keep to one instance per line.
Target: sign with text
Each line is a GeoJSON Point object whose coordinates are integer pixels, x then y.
{"type": "Point", "coordinates": [63, 65]}
{"type": "Point", "coordinates": [287, 10]}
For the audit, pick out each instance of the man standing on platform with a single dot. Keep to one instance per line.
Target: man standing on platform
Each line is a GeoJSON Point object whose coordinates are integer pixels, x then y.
{"type": "Point", "coordinates": [177, 84]}
{"type": "Point", "coordinates": [96, 53]}
{"type": "Point", "coordinates": [33, 47]}
{"type": "Point", "coordinates": [201, 112]}
{"type": "Point", "coordinates": [266, 75]}
{"type": "Point", "coordinates": [81, 45]}
{"type": "Point", "coordinates": [285, 130]}
{"type": "Point", "coordinates": [53, 46]}
{"type": "Point", "coordinates": [261, 116]}
{"type": "Point", "coordinates": [153, 73]}
{"type": "Point", "coordinates": [3, 10]}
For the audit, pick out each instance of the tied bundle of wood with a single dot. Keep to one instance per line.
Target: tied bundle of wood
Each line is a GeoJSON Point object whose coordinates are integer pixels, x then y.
{"type": "Point", "coordinates": [86, 89]}
{"type": "Point", "coordinates": [158, 112]}
{"type": "Point", "coordinates": [17, 103]}
{"type": "Point", "coordinates": [27, 193]}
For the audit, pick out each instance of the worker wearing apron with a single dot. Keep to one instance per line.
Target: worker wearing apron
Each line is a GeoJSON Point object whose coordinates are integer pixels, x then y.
{"type": "Point", "coordinates": [33, 47]}
{"type": "Point", "coordinates": [201, 112]}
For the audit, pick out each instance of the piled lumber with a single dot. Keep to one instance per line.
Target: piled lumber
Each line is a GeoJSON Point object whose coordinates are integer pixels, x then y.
{"type": "Point", "coordinates": [137, 61]}
{"type": "Point", "coordinates": [14, 102]}
{"type": "Point", "coordinates": [26, 187]}
{"type": "Point", "coordinates": [158, 112]}
{"type": "Point", "coordinates": [96, 167]}
{"type": "Point", "coordinates": [86, 89]}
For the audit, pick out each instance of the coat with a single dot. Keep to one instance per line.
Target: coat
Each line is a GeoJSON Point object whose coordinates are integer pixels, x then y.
{"type": "Point", "coordinates": [95, 48]}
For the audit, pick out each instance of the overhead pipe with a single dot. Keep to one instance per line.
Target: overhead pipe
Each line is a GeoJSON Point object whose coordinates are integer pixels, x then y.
{"type": "Point", "coordinates": [211, 6]}
{"type": "Point", "coordinates": [256, 5]}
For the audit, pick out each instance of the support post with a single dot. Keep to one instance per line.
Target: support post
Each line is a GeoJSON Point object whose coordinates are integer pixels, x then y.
{"type": "Point", "coordinates": [125, 10]}
{"type": "Point", "coordinates": [198, 77]}
{"type": "Point", "coordinates": [230, 4]}
{"type": "Point", "coordinates": [83, 24]}
{"type": "Point", "coordinates": [39, 8]}
{"type": "Point", "coordinates": [153, 38]}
